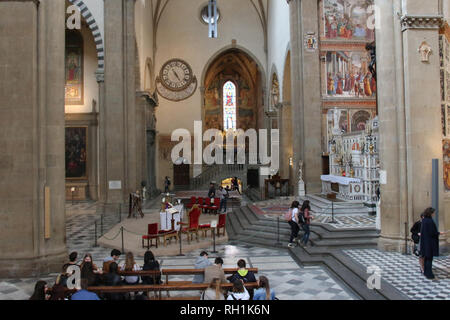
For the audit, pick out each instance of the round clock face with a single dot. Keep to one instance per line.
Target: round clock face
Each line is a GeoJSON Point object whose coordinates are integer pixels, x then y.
{"type": "Point", "coordinates": [176, 75]}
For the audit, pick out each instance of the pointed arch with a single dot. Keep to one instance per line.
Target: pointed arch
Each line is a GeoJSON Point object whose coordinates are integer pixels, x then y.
{"type": "Point", "coordinates": [90, 20]}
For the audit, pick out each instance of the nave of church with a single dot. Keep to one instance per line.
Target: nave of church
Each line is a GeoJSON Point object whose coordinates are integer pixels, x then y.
{"type": "Point", "coordinates": [197, 124]}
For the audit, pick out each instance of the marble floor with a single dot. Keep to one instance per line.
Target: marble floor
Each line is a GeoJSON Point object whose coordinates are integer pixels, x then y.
{"type": "Point", "coordinates": [287, 278]}
{"type": "Point", "coordinates": [403, 272]}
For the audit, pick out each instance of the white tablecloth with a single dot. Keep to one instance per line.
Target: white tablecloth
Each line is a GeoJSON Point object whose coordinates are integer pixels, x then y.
{"type": "Point", "coordinates": [166, 218]}
{"type": "Point", "coordinates": [338, 179]}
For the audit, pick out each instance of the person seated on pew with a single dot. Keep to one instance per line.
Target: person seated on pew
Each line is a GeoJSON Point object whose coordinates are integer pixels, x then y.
{"type": "Point", "coordinates": [214, 291]}
{"type": "Point", "coordinates": [88, 258]}
{"type": "Point", "coordinates": [40, 291]}
{"type": "Point", "coordinates": [150, 263]}
{"type": "Point", "coordinates": [130, 265]}
{"type": "Point", "coordinates": [115, 255]}
{"type": "Point", "coordinates": [58, 289]}
{"type": "Point", "coordinates": [215, 271]}
{"type": "Point", "coordinates": [72, 260]}
{"type": "Point", "coordinates": [201, 263]}
{"type": "Point", "coordinates": [264, 292]}
{"type": "Point", "coordinates": [239, 292]}
{"type": "Point", "coordinates": [244, 275]}
{"type": "Point", "coordinates": [113, 279]}
{"type": "Point", "coordinates": [84, 294]}
{"type": "Point", "coordinates": [87, 272]}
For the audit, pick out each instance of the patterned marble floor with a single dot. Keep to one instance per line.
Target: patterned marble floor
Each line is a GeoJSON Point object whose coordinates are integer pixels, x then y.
{"type": "Point", "coordinates": [403, 272]}
{"type": "Point", "coordinates": [290, 281]}
{"type": "Point", "coordinates": [273, 209]}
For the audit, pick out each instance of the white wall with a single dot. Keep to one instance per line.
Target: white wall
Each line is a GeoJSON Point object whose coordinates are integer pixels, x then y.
{"type": "Point", "coordinates": [182, 35]}
{"type": "Point", "coordinates": [278, 39]}
{"type": "Point", "coordinates": [96, 8]}
{"type": "Point", "coordinates": [144, 36]}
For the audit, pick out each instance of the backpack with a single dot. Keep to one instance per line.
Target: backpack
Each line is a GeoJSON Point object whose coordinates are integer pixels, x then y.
{"type": "Point", "coordinates": [288, 215]}
{"type": "Point", "coordinates": [301, 218]}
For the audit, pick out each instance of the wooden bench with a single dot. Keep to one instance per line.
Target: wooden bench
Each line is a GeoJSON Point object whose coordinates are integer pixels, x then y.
{"type": "Point", "coordinates": [181, 272]}
{"type": "Point", "coordinates": [158, 289]}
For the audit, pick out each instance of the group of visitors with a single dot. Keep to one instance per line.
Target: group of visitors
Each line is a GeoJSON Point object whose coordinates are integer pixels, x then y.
{"type": "Point", "coordinates": [110, 275]}
{"type": "Point", "coordinates": [426, 241]}
{"type": "Point", "coordinates": [215, 276]}
{"type": "Point", "coordinates": [92, 276]}
{"type": "Point", "coordinates": [222, 194]}
{"type": "Point", "coordinates": [299, 218]}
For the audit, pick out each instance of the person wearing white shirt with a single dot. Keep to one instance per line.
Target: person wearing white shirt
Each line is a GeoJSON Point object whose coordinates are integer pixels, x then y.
{"type": "Point", "coordinates": [295, 229]}
{"type": "Point", "coordinates": [130, 265]}
{"type": "Point", "coordinates": [239, 291]}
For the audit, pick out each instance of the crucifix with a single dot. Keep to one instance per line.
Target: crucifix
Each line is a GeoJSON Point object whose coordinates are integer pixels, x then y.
{"type": "Point", "coordinates": [212, 18]}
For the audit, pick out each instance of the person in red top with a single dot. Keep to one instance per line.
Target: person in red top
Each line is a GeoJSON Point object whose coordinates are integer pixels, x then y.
{"type": "Point", "coordinates": [306, 211]}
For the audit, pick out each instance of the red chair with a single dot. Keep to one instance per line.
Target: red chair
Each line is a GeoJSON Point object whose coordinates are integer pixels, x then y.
{"type": "Point", "coordinates": [191, 204]}
{"type": "Point", "coordinates": [193, 226]}
{"type": "Point", "coordinates": [152, 233]}
{"type": "Point", "coordinates": [207, 204]}
{"type": "Point", "coordinates": [200, 201]}
{"type": "Point", "coordinates": [216, 206]}
{"type": "Point", "coordinates": [221, 224]}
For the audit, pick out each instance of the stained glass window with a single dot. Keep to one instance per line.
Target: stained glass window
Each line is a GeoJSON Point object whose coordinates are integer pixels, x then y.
{"type": "Point", "coordinates": [229, 106]}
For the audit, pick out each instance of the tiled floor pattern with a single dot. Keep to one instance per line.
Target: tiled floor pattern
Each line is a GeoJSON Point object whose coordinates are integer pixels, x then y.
{"type": "Point", "coordinates": [403, 272]}
{"type": "Point", "coordinates": [290, 281]}
{"type": "Point", "coordinates": [341, 221]}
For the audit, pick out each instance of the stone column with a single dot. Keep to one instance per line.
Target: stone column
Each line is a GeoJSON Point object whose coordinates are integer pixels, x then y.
{"type": "Point", "coordinates": [409, 113]}
{"type": "Point", "coordinates": [102, 180]}
{"type": "Point", "coordinates": [32, 188]}
{"type": "Point", "coordinates": [420, 29]}
{"type": "Point", "coordinates": [306, 103]}
{"type": "Point", "coordinates": [122, 154]}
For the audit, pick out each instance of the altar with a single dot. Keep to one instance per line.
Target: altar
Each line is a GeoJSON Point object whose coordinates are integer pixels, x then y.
{"type": "Point", "coordinates": [166, 218]}
{"type": "Point", "coordinates": [345, 188]}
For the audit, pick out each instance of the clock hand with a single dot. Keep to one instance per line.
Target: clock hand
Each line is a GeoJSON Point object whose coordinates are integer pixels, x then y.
{"type": "Point", "coordinates": [176, 75]}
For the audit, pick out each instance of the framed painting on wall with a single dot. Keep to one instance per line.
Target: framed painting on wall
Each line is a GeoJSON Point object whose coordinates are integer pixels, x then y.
{"type": "Point", "coordinates": [74, 88]}
{"type": "Point", "coordinates": [76, 153]}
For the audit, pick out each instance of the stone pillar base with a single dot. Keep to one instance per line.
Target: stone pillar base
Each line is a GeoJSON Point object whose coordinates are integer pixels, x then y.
{"type": "Point", "coordinates": [392, 245]}
{"type": "Point", "coordinates": [32, 267]}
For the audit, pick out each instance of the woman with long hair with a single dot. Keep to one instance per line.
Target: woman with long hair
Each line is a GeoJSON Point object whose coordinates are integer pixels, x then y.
{"type": "Point", "coordinates": [88, 258]}
{"type": "Point", "coordinates": [239, 291]}
{"type": "Point", "coordinates": [305, 211]}
{"type": "Point", "coordinates": [87, 272]}
{"type": "Point", "coordinates": [293, 223]}
{"type": "Point", "coordinates": [429, 242]}
{"type": "Point", "coordinates": [264, 292]}
{"type": "Point", "coordinates": [130, 265]}
{"type": "Point", "coordinates": [150, 263]}
{"type": "Point", "coordinates": [214, 291]}
{"type": "Point", "coordinates": [40, 291]}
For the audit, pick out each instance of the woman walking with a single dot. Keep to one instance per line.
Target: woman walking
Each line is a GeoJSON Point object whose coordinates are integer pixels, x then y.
{"type": "Point", "coordinates": [306, 212]}
{"type": "Point", "coordinates": [429, 242]}
{"type": "Point", "coordinates": [293, 222]}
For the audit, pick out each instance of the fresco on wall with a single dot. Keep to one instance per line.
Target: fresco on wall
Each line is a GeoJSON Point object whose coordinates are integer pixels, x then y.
{"type": "Point", "coordinates": [347, 20]}
{"type": "Point", "coordinates": [76, 152]}
{"type": "Point", "coordinates": [346, 75]}
{"type": "Point", "coordinates": [359, 120]}
{"type": "Point", "coordinates": [74, 69]}
{"type": "Point", "coordinates": [446, 152]}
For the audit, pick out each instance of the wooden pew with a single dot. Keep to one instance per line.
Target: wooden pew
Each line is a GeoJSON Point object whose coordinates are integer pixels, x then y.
{"type": "Point", "coordinates": [181, 272]}
{"type": "Point", "coordinates": [164, 287]}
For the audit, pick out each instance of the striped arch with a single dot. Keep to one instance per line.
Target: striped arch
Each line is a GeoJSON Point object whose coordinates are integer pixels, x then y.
{"type": "Point", "coordinates": [87, 15]}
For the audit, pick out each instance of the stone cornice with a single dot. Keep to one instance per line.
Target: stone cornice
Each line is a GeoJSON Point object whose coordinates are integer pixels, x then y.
{"type": "Point", "coordinates": [425, 22]}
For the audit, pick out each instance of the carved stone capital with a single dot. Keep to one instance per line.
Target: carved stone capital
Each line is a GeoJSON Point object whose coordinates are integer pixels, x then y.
{"type": "Point", "coordinates": [421, 22]}
{"type": "Point", "coordinates": [100, 75]}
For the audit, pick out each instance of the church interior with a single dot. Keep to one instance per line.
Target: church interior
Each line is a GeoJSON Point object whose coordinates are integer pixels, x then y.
{"type": "Point", "coordinates": [109, 111]}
